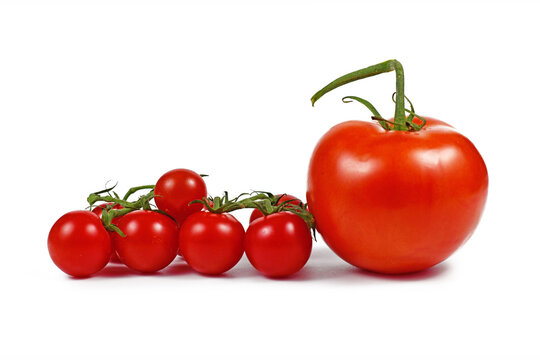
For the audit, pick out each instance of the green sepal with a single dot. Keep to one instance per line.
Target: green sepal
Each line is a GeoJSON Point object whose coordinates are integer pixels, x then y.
{"type": "Point", "coordinates": [109, 213]}
{"type": "Point", "coordinates": [116, 229]}
{"type": "Point", "coordinates": [164, 213]}
{"type": "Point", "coordinates": [264, 201]}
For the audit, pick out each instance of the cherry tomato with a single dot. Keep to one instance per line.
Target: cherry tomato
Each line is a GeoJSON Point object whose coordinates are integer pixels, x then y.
{"type": "Point", "coordinates": [279, 244]}
{"type": "Point", "coordinates": [98, 210]}
{"type": "Point", "coordinates": [396, 201]}
{"type": "Point", "coordinates": [151, 241]}
{"type": "Point", "coordinates": [79, 244]}
{"type": "Point", "coordinates": [176, 189]}
{"type": "Point", "coordinates": [203, 209]}
{"type": "Point", "coordinates": [284, 197]}
{"type": "Point", "coordinates": [211, 243]}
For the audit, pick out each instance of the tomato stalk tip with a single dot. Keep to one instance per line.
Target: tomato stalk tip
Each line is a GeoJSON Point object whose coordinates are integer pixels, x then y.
{"type": "Point", "coordinates": [401, 122]}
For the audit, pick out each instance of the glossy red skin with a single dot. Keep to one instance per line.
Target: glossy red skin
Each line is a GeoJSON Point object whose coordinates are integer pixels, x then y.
{"type": "Point", "coordinates": [79, 244]}
{"type": "Point", "coordinates": [211, 203]}
{"type": "Point", "coordinates": [98, 210]}
{"type": "Point", "coordinates": [176, 189]}
{"type": "Point", "coordinates": [278, 245]}
{"type": "Point", "coordinates": [256, 213]}
{"type": "Point", "coordinates": [393, 201]}
{"type": "Point", "coordinates": [211, 243]}
{"type": "Point", "coordinates": [151, 241]}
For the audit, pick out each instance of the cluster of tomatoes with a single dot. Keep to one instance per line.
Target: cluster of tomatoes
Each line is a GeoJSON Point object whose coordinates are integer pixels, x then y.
{"type": "Point", "coordinates": [186, 222]}
{"type": "Point", "coordinates": [394, 196]}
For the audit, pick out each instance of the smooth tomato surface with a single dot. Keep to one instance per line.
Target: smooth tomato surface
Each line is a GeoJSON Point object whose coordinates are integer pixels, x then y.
{"type": "Point", "coordinates": [79, 244]}
{"type": "Point", "coordinates": [176, 189]}
{"type": "Point", "coordinates": [279, 244]}
{"type": "Point", "coordinates": [98, 210]}
{"type": "Point", "coordinates": [151, 241]}
{"type": "Point", "coordinates": [396, 201]}
{"type": "Point", "coordinates": [211, 243]}
{"type": "Point", "coordinates": [294, 200]}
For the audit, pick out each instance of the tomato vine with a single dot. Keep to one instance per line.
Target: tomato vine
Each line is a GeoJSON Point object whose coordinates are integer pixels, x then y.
{"type": "Point", "coordinates": [112, 198]}
{"type": "Point", "coordinates": [400, 121]}
{"type": "Point", "coordinates": [264, 201]}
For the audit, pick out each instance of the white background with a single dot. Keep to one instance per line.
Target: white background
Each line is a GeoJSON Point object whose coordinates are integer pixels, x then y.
{"type": "Point", "coordinates": [126, 90]}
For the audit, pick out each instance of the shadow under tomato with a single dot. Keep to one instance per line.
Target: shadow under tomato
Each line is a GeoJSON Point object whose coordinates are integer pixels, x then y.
{"type": "Point", "coordinates": [179, 267]}
{"type": "Point", "coordinates": [112, 270]}
{"type": "Point", "coordinates": [325, 265]}
{"type": "Point", "coordinates": [115, 270]}
{"type": "Point", "coordinates": [433, 272]}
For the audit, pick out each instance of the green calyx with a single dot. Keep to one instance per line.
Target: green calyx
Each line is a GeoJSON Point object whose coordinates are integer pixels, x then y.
{"type": "Point", "coordinates": [264, 201]}
{"type": "Point", "coordinates": [112, 198]}
{"type": "Point", "coordinates": [401, 122]}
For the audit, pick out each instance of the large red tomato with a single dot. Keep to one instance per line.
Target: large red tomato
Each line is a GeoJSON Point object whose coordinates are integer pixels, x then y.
{"type": "Point", "coordinates": [396, 201]}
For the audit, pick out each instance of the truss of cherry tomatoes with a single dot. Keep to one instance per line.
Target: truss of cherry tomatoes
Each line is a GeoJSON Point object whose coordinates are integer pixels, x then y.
{"type": "Point", "coordinates": [184, 221]}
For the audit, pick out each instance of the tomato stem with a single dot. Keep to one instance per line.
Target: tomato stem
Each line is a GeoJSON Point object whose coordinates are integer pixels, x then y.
{"type": "Point", "coordinates": [401, 121]}
{"type": "Point", "coordinates": [265, 201]}
{"type": "Point", "coordinates": [109, 213]}
{"type": "Point", "coordinates": [137, 188]}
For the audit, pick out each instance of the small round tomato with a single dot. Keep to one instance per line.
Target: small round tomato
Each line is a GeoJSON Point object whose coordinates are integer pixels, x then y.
{"type": "Point", "coordinates": [211, 243]}
{"type": "Point", "coordinates": [284, 197]}
{"type": "Point", "coordinates": [279, 244]}
{"type": "Point", "coordinates": [79, 244]}
{"type": "Point", "coordinates": [98, 210]}
{"type": "Point", "coordinates": [151, 241]}
{"type": "Point", "coordinates": [176, 189]}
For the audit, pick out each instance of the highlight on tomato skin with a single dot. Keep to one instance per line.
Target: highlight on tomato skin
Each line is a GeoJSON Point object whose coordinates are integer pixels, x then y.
{"type": "Point", "coordinates": [79, 244]}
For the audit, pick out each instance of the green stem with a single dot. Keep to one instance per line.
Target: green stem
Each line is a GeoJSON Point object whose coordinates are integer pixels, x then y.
{"type": "Point", "coordinates": [137, 188]}
{"type": "Point", "coordinates": [243, 204]}
{"type": "Point", "coordinates": [387, 66]}
{"type": "Point", "coordinates": [109, 214]}
{"type": "Point", "coordinates": [262, 200]}
{"type": "Point", "coordinates": [94, 197]}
